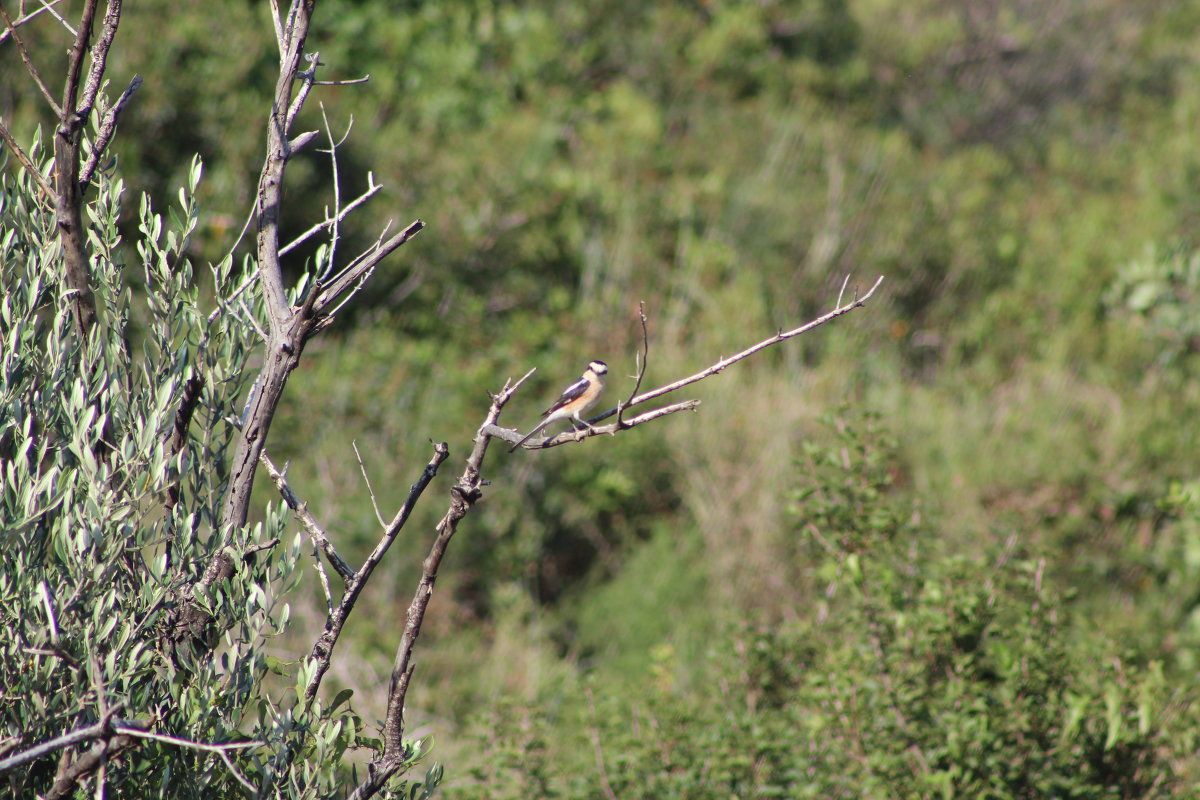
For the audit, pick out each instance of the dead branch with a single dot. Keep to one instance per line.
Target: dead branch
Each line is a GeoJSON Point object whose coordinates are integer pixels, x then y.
{"type": "Point", "coordinates": [570, 437]}
{"type": "Point", "coordinates": [95, 78]}
{"type": "Point", "coordinates": [108, 129]}
{"type": "Point", "coordinates": [641, 364]}
{"type": "Point", "coordinates": [463, 496]}
{"type": "Point", "coordinates": [27, 163]}
{"type": "Point", "coordinates": [721, 364]}
{"type": "Point", "coordinates": [510, 435]}
{"type": "Point", "coordinates": [323, 648]}
{"type": "Point", "coordinates": [361, 268]}
{"type": "Point", "coordinates": [47, 6]}
{"type": "Point", "coordinates": [100, 728]}
{"type": "Point", "coordinates": [29, 65]}
{"type": "Point", "coordinates": [314, 529]}
{"type": "Point", "coordinates": [372, 189]}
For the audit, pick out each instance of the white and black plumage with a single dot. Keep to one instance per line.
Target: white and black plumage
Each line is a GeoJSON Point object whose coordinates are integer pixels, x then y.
{"type": "Point", "coordinates": [575, 399]}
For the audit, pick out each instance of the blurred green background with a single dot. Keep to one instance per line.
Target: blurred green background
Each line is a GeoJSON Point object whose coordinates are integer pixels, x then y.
{"type": "Point", "coordinates": [673, 611]}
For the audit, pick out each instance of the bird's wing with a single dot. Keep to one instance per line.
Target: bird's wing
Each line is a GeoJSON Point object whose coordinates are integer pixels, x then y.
{"type": "Point", "coordinates": [572, 392]}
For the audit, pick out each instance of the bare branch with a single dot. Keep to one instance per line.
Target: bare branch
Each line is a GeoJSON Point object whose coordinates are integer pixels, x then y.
{"type": "Point", "coordinates": [315, 532]}
{"type": "Point", "coordinates": [75, 65]}
{"type": "Point", "coordinates": [112, 18]}
{"type": "Point", "coordinates": [68, 136]}
{"type": "Point", "coordinates": [569, 437]}
{"type": "Point", "coordinates": [46, 7]}
{"type": "Point", "coordinates": [27, 163]}
{"type": "Point", "coordinates": [337, 195]}
{"type": "Point", "coordinates": [279, 152]}
{"type": "Point", "coordinates": [322, 649]}
{"type": "Point", "coordinates": [842, 291]}
{"type": "Point", "coordinates": [749, 351]}
{"type": "Point", "coordinates": [347, 82]}
{"type": "Point", "coordinates": [29, 65]}
{"type": "Point", "coordinates": [362, 267]}
{"type": "Point", "coordinates": [307, 77]}
{"type": "Point", "coordinates": [219, 749]}
{"type": "Point", "coordinates": [49, 7]}
{"type": "Point", "coordinates": [363, 468]}
{"type": "Point", "coordinates": [372, 189]}
{"type": "Point", "coordinates": [107, 129]}
{"type": "Point", "coordinates": [278, 28]}
{"type": "Point", "coordinates": [71, 771]}
{"type": "Point", "coordinates": [463, 496]}
{"type": "Point", "coordinates": [93, 731]}
{"type": "Point", "coordinates": [509, 435]}
{"type": "Point", "coordinates": [641, 364]}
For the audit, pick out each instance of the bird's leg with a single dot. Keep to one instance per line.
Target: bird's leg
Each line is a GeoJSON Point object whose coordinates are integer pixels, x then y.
{"type": "Point", "coordinates": [583, 422]}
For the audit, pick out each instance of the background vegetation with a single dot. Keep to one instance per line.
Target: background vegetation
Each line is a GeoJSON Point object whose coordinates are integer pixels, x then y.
{"type": "Point", "coordinates": [975, 579]}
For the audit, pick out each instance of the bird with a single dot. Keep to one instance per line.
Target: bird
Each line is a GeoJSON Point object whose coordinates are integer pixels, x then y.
{"type": "Point", "coordinates": [575, 399]}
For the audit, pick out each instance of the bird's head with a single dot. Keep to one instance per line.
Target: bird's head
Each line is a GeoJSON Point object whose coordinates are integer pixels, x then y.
{"type": "Point", "coordinates": [598, 367]}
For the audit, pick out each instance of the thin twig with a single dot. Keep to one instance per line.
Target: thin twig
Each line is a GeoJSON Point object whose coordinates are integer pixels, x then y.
{"type": "Point", "coordinates": [331, 258]}
{"type": "Point", "coordinates": [463, 496]}
{"type": "Point", "coordinates": [219, 749]}
{"type": "Point", "coordinates": [27, 163]}
{"type": "Point", "coordinates": [29, 65]}
{"type": "Point", "coordinates": [640, 363]}
{"type": "Point", "coordinates": [842, 291]}
{"type": "Point", "coordinates": [311, 526]}
{"type": "Point", "coordinates": [323, 576]}
{"type": "Point", "coordinates": [251, 321]}
{"type": "Point", "coordinates": [721, 364]}
{"type": "Point", "coordinates": [49, 7]}
{"type": "Point", "coordinates": [46, 7]}
{"type": "Point", "coordinates": [363, 468]}
{"type": "Point", "coordinates": [347, 82]}
{"type": "Point", "coordinates": [247, 282]}
{"type": "Point", "coordinates": [107, 129]}
{"type": "Point", "coordinates": [93, 731]}
{"type": "Point", "coordinates": [372, 189]}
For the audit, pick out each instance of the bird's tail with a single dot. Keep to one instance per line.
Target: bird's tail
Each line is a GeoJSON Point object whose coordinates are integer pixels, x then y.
{"type": "Point", "coordinates": [531, 434]}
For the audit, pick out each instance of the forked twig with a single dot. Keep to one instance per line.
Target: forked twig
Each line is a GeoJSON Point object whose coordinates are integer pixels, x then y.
{"type": "Point", "coordinates": [219, 749]}
{"type": "Point", "coordinates": [31, 169]}
{"type": "Point", "coordinates": [363, 468]}
{"type": "Point", "coordinates": [721, 364]}
{"type": "Point", "coordinates": [641, 365]}
{"type": "Point", "coordinates": [47, 7]}
{"type": "Point", "coordinates": [510, 435]}
{"type": "Point", "coordinates": [463, 496]}
{"type": "Point", "coordinates": [29, 65]}
{"type": "Point", "coordinates": [311, 526]}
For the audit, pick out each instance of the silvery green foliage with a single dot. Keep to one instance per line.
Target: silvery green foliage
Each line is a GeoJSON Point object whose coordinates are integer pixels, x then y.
{"type": "Point", "coordinates": [94, 555]}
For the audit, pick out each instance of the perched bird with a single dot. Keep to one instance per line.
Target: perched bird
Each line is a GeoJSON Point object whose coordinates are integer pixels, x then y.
{"type": "Point", "coordinates": [575, 399]}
